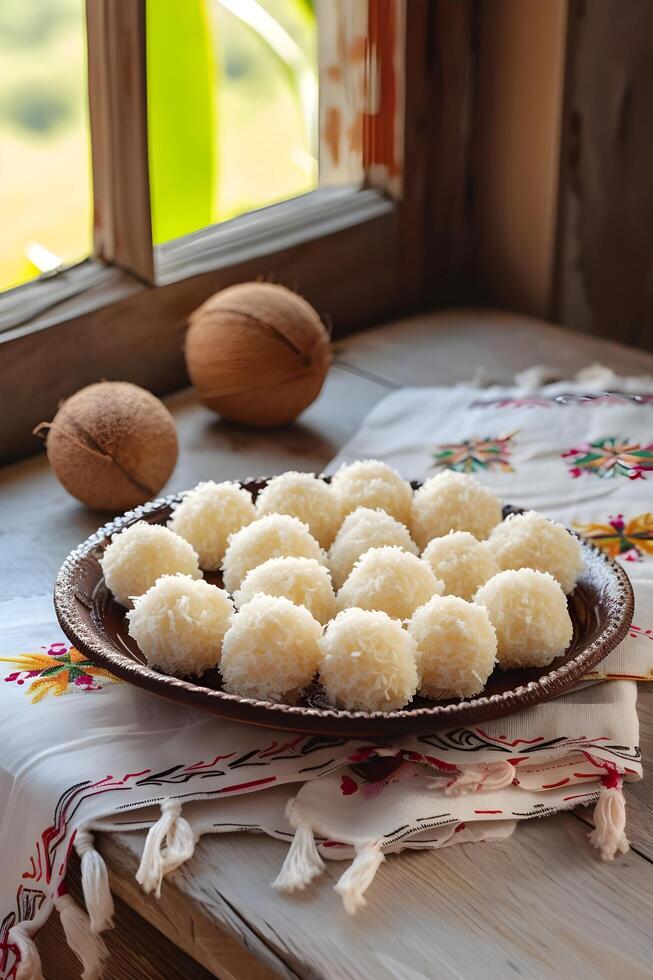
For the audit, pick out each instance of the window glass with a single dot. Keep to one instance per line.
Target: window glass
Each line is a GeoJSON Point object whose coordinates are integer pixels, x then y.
{"type": "Point", "coordinates": [232, 108]}
{"type": "Point", "coordinates": [45, 171]}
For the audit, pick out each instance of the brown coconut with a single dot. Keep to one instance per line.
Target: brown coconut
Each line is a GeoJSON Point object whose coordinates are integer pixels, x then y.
{"type": "Point", "coordinates": [112, 445]}
{"type": "Point", "coordinates": [257, 353]}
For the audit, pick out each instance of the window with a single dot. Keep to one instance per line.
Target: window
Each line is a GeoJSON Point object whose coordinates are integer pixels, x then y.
{"type": "Point", "coordinates": [45, 163]}
{"type": "Point", "coordinates": [205, 172]}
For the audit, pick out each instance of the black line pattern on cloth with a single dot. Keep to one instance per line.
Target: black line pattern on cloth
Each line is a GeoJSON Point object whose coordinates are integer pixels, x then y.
{"type": "Point", "coordinates": [563, 399]}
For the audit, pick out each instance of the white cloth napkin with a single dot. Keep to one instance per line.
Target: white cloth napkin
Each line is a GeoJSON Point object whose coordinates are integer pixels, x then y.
{"type": "Point", "coordinates": [83, 752]}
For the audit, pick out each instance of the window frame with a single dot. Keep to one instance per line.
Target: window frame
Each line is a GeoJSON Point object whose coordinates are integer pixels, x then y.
{"type": "Point", "coordinates": [393, 242]}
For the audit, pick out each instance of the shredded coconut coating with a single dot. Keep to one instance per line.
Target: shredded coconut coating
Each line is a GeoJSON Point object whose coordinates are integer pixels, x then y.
{"type": "Point", "coordinates": [142, 553]}
{"type": "Point", "coordinates": [530, 540]}
{"type": "Point", "coordinates": [461, 562]}
{"type": "Point", "coordinates": [368, 662]}
{"type": "Point", "coordinates": [389, 580]}
{"type": "Point", "coordinates": [271, 650]}
{"type": "Point", "coordinates": [453, 501]}
{"type": "Point", "coordinates": [361, 530]}
{"type": "Point", "coordinates": [456, 647]}
{"type": "Point", "coordinates": [179, 624]}
{"type": "Point", "coordinates": [370, 483]}
{"type": "Point", "coordinates": [302, 580]}
{"type": "Point", "coordinates": [305, 496]}
{"type": "Point", "coordinates": [528, 610]}
{"type": "Point", "coordinates": [208, 514]}
{"type": "Point", "coordinates": [274, 536]}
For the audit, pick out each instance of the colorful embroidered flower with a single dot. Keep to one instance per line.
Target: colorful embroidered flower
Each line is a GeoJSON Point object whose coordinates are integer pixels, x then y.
{"type": "Point", "coordinates": [348, 786]}
{"type": "Point", "coordinates": [637, 631]}
{"type": "Point", "coordinates": [628, 540]}
{"type": "Point", "coordinates": [476, 454]}
{"type": "Point", "coordinates": [56, 671]}
{"type": "Point", "coordinates": [610, 457]}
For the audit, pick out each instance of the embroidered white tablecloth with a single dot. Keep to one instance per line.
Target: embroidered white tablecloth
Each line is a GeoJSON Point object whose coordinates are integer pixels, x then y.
{"type": "Point", "coordinates": [83, 752]}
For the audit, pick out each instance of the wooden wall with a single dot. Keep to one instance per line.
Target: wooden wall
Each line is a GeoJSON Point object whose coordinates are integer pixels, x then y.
{"type": "Point", "coordinates": [604, 256]}
{"type": "Point", "coordinates": [517, 150]}
{"type": "Point", "coordinates": [563, 160]}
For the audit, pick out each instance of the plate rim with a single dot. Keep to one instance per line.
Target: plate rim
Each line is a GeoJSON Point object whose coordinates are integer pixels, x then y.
{"type": "Point", "coordinates": [90, 642]}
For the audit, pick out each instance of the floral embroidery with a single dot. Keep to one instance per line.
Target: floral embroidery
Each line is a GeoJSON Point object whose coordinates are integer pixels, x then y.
{"type": "Point", "coordinates": [370, 789]}
{"type": "Point", "coordinates": [55, 671]}
{"type": "Point", "coordinates": [476, 454]}
{"type": "Point", "coordinates": [637, 631]}
{"type": "Point", "coordinates": [348, 786]}
{"type": "Point", "coordinates": [611, 457]}
{"type": "Point", "coordinates": [629, 540]}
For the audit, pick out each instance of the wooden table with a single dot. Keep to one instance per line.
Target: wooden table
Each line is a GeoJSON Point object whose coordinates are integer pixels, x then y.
{"type": "Point", "coordinates": [538, 905]}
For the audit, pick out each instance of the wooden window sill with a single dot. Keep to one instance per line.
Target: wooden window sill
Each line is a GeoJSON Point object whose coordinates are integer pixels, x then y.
{"type": "Point", "coordinates": [96, 321]}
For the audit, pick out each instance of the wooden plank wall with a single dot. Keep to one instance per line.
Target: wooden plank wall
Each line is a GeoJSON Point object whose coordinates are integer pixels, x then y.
{"type": "Point", "coordinates": [517, 150]}
{"type": "Point", "coordinates": [563, 157]}
{"type": "Point", "coordinates": [604, 256]}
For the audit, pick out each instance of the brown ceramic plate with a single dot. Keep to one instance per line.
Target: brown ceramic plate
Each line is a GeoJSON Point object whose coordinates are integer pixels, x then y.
{"type": "Point", "coordinates": [601, 609]}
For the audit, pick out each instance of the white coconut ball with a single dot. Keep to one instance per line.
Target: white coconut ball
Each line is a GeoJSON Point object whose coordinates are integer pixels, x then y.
{"type": "Point", "coordinates": [208, 514]}
{"type": "Point", "coordinates": [302, 580]}
{"type": "Point", "coordinates": [179, 624]}
{"type": "Point", "coordinates": [530, 540]}
{"type": "Point", "coordinates": [461, 562]}
{"type": "Point", "coordinates": [370, 483]}
{"type": "Point", "coordinates": [457, 647]}
{"type": "Point", "coordinates": [271, 650]}
{"type": "Point", "coordinates": [528, 610]}
{"type": "Point", "coordinates": [368, 662]}
{"type": "Point", "coordinates": [361, 530]}
{"type": "Point", "coordinates": [142, 553]}
{"type": "Point", "coordinates": [274, 536]}
{"type": "Point", "coordinates": [305, 496]}
{"type": "Point", "coordinates": [453, 501]}
{"type": "Point", "coordinates": [389, 580]}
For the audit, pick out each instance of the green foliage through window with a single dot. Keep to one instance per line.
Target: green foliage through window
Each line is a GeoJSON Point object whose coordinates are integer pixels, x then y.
{"type": "Point", "coordinates": [232, 94]}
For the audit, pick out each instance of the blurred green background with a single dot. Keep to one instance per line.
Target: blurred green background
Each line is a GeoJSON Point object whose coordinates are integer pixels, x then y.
{"type": "Point", "coordinates": [232, 95]}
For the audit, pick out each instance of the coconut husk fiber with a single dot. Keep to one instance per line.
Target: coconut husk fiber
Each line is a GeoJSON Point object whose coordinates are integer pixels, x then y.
{"type": "Point", "coordinates": [112, 445]}
{"type": "Point", "coordinates": [257, 353]}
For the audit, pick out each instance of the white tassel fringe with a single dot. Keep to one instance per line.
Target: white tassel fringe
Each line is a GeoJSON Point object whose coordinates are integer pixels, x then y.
{"type": "Point", "coordinates": [95, 882]}
{"type": "Point", "coordinates": [302, 863]}
{"type": "Point", "coordinates": [88, 947]}
{"type": "Point", "coordinates": [29, 967]}
{"type": "Point", "coordinates": [609, 834]}
{"type": "Point", "coordinates": [160, 859]}
{"type": "Point", "coordinates": [358, 877]}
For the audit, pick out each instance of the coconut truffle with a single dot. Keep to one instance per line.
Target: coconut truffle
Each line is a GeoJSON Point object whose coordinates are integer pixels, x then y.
{"type": "Point", "coordinates": [141, 554]}
{"type": "Point", "coordinates": [271, 650]}
{"type": "Point", "coordinates": [361, 530]}
{"type": "Point", "coordinates": [274, 536]}
{"type": "Point", "coordinates": [369, 483]}
{"type": "Point", "coordinates": [389, 580]}
{"type": "Point", "coordinates": [530, 540]}
{"type": "Point", "coordinates": [453, 501]}
{"type": "Point", "coordinates": [302, 580]}
{"type": "Point", "coordinates": [456, 647]}
{"type": "Point", "coordinates": [305, 496]}
{"type": "Point", "coordinates": [461, 562]}
{"type": "Point", "coordinates": [208, 515]}
{"type": "Point", "coordinates": [528, 610]}
{"type": "Point", "coordinates": [368, 662]}
{"type": "Point", "coordinates": [180, 623]}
